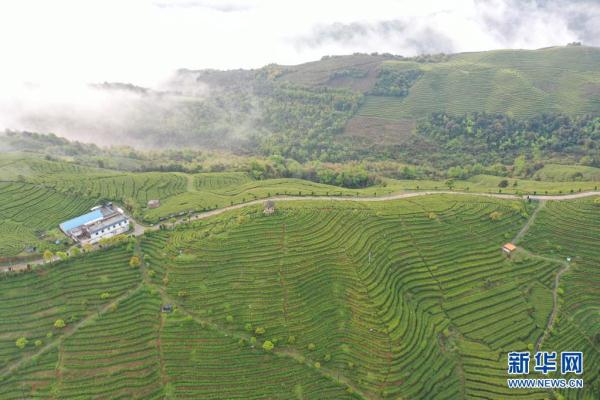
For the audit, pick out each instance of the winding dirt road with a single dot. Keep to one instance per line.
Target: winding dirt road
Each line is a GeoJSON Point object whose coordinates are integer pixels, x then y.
{"type": "Point", "coordinates": [390, 197]}
{"type": "Point", "coordinates": [140, 229]}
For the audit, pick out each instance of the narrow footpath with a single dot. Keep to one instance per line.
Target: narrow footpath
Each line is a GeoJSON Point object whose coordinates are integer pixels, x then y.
{"type": "Point", "coordinates": [525, 229]}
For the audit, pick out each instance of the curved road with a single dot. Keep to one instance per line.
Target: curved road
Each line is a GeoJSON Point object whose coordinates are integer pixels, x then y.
{"type": "Point", "coordinates": [391, 197]}
{"type": "Point", "coordinates": [140, 229]}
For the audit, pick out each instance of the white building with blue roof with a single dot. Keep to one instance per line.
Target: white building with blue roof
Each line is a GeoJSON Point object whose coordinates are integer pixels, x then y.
{"type": "Point", "coordinates": [100, 223]}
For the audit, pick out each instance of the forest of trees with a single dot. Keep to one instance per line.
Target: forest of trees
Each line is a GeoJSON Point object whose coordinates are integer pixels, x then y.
{"type": "Point", "coordinates": [303, 141]}
{"type": "Point", "coordinates": [301, 123]}
{"type": "Point", "coordinates": [391, 82]}
{"type": "Point", "coordinates": [493, 138]}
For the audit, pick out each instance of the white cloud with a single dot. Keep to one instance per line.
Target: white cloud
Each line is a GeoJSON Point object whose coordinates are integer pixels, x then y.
{"type": "Point", "coordinates": [64, 44]}
{"type": "Point", "coordinates": [140, 41]}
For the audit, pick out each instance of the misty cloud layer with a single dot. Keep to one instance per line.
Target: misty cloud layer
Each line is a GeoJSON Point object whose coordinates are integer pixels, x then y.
{"type": "Point", "coordinates": [105, 114]}
{"type": "Point", "coordinates": [84, 113]}
{"type": "Point", "coordinates": [486, 24]}
{"type": "Point", "coordinates": [397, 33]}
{"type": "Point", "coordinates": [222, 6]}
{"type": "Point", "coordinates": [52, 54]}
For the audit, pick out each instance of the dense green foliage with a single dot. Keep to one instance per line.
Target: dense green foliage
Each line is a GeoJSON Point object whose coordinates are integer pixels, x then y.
{"type": "Point", "coordinates": [392, 82]}
{"type": "Point", "coordinates": [490, 138]}
{"type": "Point", "coordinates": [304, 121]}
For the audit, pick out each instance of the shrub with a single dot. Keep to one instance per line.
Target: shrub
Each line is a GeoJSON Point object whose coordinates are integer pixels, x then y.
{"type": "Point", "coordinates": [135, 262]}
{"type": "Point", "coordinates": [268, 345]}
{"type": "Point", "coordinates": [260, 330]}
{"type": "Point", "coordinates": [48, 256]}
{"type": "Point", "coordinates": [248, 327]}
{"type": "Point", "coordinates": [327, 357]}
{"type": "Point", "coordinates": [312, 347]}
{"type": "Point", "coordinates": [495, 216]}
{"type": "Point", "coordinates": [105, 295]}
{"type": "Point", "coordinates": [317, 365]}
{"type": "Point", "coordinates": [59, 324]}
{"type": "Point", "coordinates": [38, 343]}
{"type": "Point", "coordinates": [21, 342]}
{"type": "Point", "coordinates": [229, 318]}
{"type": "Point", "coordinates": [291, 339]}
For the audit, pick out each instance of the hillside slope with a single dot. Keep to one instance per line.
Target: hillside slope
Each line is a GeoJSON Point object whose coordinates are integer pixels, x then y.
{"type": "Point", "coordinates": [358, 106]}
{"type": "Point", "coordinates": [516, 82]}
{"type": "Point", "coordinates": [380, 300]}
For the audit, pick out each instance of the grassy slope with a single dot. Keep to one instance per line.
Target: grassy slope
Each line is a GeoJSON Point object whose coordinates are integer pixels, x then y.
{"type": "Point", "coordinates": [403, 298]}
{"type": "Point", "coordinates": [321, 73]}
{"type": "Point", "coordinates": [557, 173]}
{"type": "Point", "coordinates": [517, 82]}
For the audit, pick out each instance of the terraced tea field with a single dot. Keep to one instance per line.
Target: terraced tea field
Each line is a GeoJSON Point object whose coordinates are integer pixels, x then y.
{"type": "Point", "coordinates": [573, 230]}
{"type": "Point", "coordinates": [396, 299]}
{"type": "Point", "coordinates": [517, 82]}
{"type": "Point", "coordinates": [215, 191]}
{"type": "Point", "coordinates": [122, 187]}
{"type": "Point", "coordinates": [28, 211]}
{"type": "Point", "coordinates": [37, 194]}
{"type": "Point", "coordinates": [32, 302]}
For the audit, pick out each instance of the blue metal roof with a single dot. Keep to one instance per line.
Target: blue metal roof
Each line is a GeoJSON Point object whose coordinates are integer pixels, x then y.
{"type": "Point", "coordinates": [81, 220]}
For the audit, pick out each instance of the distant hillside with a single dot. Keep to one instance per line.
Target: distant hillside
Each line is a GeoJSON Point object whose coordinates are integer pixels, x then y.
{"type": "Point", "coordinates": [516, 82]}
{"type": "Point", "coordinates": [432, 110]}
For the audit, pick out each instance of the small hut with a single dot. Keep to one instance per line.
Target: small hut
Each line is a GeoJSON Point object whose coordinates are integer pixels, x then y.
{"type": "Point", "coordinates": [269, 207]}
{"type": "Point", "coordinates": [509, 248]}
{"type": "Point", "coordinates": [153, 203]}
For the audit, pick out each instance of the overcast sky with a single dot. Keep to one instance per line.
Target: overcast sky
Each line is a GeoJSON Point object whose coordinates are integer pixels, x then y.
{"type": "Point", "coordinates": [141, 41]}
